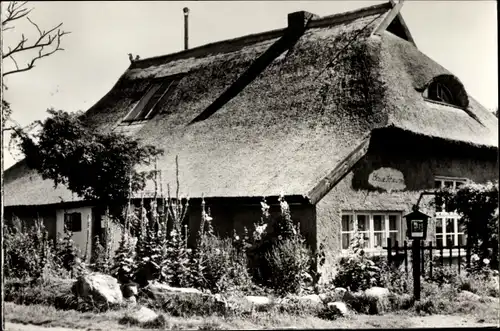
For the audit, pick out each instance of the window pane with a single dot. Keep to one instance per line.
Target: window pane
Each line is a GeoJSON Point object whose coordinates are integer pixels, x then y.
{"type": "Point", "coordinates": [346, 240]}
{"type": "Point", "coordinates": [437, 184]}
{"type": "Point", "coordinates": [439, 225]}
{"type": "Point", "coordinates": [449, 240]}
{"type": "Point", "coordinates": [366, 239]}
{"type": "Point", "coordinates": [458, 184]}
{"type": "Point", "coordinates": [439, 240]}
{"type": "Point", "coordinates": [378, 223]}
{"type": "Point", "coordinates": [346, 223]}
{"type": "Point", "coordinates": [363, 224]}
{"type": "Point", "coordinates": [380, 239]}
{"type": "Point", "coordinates": [461, 240]}
{"type": "Point", "coordinates": [394, 237]}
{"type": "Point", "coordinates": [448, 184]}
{"type": "Point", "coordinates": [450, 225]}
{"type": "Point", "coordinates": [393, 222]}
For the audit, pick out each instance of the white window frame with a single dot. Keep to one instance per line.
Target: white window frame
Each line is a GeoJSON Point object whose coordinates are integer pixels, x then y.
{"type": "Point", "coordinates": [443, 215]}
{"type": "Point", "coordinates": [353, 218]}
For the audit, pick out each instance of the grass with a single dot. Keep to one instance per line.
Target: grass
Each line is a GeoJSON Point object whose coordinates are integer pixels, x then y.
{"type": "Point", "coordinates": [50, 317]}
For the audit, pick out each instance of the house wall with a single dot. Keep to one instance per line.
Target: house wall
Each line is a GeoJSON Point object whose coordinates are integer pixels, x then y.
{"type": "Point", "coordinates": [355, 193]}
{"type": "Point", "coordinates": [28, 216]}
{"type": "Point", "coordinates": [80, 237]}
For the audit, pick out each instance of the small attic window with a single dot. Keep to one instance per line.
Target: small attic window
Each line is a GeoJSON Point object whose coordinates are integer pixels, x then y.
{"type": "Point", "coordinates": [447, 89]}
{"type": "Point", "coordinates": [148, 104]}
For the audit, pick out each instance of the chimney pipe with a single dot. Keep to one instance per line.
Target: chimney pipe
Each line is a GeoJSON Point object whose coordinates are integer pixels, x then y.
{"type": "Point", "coordinates": [186, 36]}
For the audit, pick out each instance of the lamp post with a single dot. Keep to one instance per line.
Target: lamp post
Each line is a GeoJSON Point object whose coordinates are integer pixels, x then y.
{"type": "Point", "coordinates": [416, 224]}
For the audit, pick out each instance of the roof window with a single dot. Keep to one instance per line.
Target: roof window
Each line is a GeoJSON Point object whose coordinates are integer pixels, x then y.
{"type": "Point", "coordinates": [447, 89]}
{"type": "Point", "coordinates": [147, 106]}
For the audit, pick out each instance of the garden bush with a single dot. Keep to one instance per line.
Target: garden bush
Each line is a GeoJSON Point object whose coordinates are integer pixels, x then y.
{"type": "Point", "coordinates": [356, 270]}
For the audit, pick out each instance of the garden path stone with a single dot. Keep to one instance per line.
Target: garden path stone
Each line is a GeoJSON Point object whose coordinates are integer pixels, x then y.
{"type": "Point", "coordinates": [142, 315]}
{"type": "Point", "coordinates": [468, 296]}
{"type": "Point", "coordinates": [258, 300]}
{"type": "Point", "coordinates": [339, 308]}
{"type": "Point", "coordinates": [377, 292]}
{"type": "Point", "coordinates": [100, 287]}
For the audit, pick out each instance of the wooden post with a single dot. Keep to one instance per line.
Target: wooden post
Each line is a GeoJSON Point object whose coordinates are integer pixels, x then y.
{"type": "Point", "coordinates": [406, 257]}
{"type": "Point", "coordinates": [416, 268]}
{"type": "Point", "coordinates": [431, 260]}
{"type": "Point", "coordinates": [459, 257]}
{"type": "Point", "coordinates": [389, 251]}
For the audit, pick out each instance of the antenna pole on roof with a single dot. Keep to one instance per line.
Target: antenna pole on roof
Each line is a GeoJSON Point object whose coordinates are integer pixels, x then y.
{"type": "Point", "coordinates": [186, 36]}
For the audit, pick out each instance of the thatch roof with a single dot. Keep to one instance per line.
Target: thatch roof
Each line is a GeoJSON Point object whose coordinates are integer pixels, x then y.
{"type": "Point", "coordinates": [314, 99]}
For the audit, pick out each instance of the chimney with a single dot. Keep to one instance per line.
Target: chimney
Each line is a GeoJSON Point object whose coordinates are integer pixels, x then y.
{"type": "Point", "coordinates": [186, 36]}
{"type": "Point", "coordinates": [297, 21]}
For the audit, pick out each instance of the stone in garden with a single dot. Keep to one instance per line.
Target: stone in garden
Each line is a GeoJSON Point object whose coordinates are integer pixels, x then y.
{"type": "Point", "coordinates": [142, 315]}
{"type": "Point", "coordinates": [338, 293]}
{"type": "Point", "coordinates": [338, 308]}
{"type": "Point", "coordinates": [258, 300]}
{"type": "Point", "coordinates": [377, 292]}
{"type": "Point", "coordinates": [130, 301]}
{"type": "Point", "coordinates": [468, 296]}
{"type": "Point", "coordinates": [129, 290]}
{"type": "Point", "coordinates": [323, 297]}
{"type": "Point", "coordinates": [100, 287]}
{"type": "Point", "coordinates": [313, 298]}
{"type": "Point", "coordinates": [162, 290]}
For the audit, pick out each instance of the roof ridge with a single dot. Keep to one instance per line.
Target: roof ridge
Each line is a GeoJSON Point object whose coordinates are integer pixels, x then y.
{"type": "Point", "coordinates": [329, 20]}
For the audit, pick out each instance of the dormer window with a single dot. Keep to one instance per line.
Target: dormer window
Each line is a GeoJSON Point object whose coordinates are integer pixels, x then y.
{"type": "Point", "coordinates": [447, 89]}
{"type": "Point", "coordinates": [148, 104]}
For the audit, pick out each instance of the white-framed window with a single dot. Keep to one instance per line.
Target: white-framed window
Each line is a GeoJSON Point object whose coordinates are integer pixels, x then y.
{"type": "Point", "coordinates": [449, 229]}
{"type": "Point", "coordinates": [376, 227]}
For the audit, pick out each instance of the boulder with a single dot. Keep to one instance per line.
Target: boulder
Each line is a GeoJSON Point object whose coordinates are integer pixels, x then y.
{"type": "Point", "coordinates": [468, 296]}
{"type": "Point", "coordinates": [130, 301]}
{"type": "Point", "coordinates": [129, 290]}
{"type": "Point", "coordinates": [258, 300]}
{"type": "Point", "coordinates": [312, 298]}
{"type": "Point", "coordinates": [338, 308]}
{"type": "Point", "coordinates": [141, 315]}
{"type": "Point", "coordinates": [377, 292]}
{"type": "Point", "coordinates": [99, 287]}
{"type": "Point", "coordinates": [157, 290]}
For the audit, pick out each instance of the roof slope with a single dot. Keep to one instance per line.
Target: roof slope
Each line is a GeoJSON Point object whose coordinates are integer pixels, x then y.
{"type": "Point", "coordinates": [308, 108]}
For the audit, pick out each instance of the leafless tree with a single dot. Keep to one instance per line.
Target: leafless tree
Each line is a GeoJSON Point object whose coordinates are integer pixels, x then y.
{"type": "Point", "coordinates": [47, 43]}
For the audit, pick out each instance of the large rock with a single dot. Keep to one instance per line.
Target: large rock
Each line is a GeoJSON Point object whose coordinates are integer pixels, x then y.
{"type": "Point", "coordinates": [141, 315]}
{"type": "Point", "coordinates": [338, 293]}
{"type": "Point", "coordinates": [468, 296]}
{"type": "Point", "coordinates": [377, 292]}
{"type": "Point", "coordinates": [338, 308]}
{"type": "Point", "coordinates": [99, 287]}
{"type": "Point", "coordinates": [161, 290]}
{"type": "Point", "coordinates": [311, 298]}
{"type": "Point", "coordinates": [258, 300]}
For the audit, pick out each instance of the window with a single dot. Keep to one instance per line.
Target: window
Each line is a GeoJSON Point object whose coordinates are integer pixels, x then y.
{"type": "Point", "coordinates": [449, 226]}
{"type": "Point", "coordinates": [447, 89]}
{"type": "Point", "coordinates": [73, 222]}
{"type": "Point", "coordinates": [450, 183]}
{"type": "Point", "coordinates": [376, 227]}
{"type": "Point", "coordinates": [147, 106]}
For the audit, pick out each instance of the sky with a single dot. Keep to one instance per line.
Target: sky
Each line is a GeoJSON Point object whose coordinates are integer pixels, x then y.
{"type": "Point", "coordinates": [460, 35]}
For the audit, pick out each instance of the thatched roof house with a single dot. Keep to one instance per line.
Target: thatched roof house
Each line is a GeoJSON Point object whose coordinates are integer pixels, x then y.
{"type": "Point", "coordinates": [290, 110]}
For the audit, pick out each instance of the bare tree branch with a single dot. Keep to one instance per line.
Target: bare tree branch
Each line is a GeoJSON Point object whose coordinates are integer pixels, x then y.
{"type": "Point", "coordinates": [50, 38]}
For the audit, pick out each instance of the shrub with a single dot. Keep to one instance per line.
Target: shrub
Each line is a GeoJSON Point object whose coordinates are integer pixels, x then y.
{"type": "Point", "coordinates": [356, 270]}
{"type": "Point", "coordinates": [288, 260]}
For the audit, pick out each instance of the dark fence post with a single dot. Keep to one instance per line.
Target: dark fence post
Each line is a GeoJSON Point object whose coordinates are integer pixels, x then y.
{"type": "Point", "coordinates": [441, 253]}
{"type": "Point", "coordinates": [396, 248]}
{"type": "Point", "coordinates": [422, 247]}
{"type": "Point", "coordinates": [468, 254]}
{"type": "Point", "coordinates": [431, 260]}
{"type": "Point", "coordinates": [389, 251]}
{"type": "Point", "coordinates": [451, 255]}
{"type": "Point", "coordinates": [459, 257]}
{"type": "Point", "coordinates": [416, 268]}
{"type": "Point", "coordinates": [406, 257]}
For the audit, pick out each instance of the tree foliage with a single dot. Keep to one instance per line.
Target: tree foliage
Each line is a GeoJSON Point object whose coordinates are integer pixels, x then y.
{"type": "Point", "coordinates": [94, 165]}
